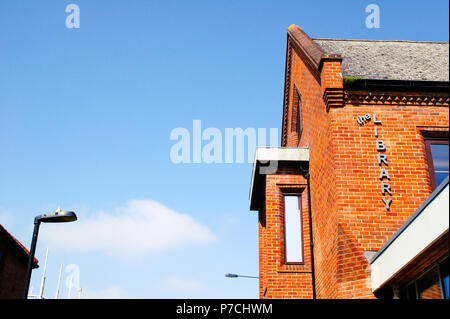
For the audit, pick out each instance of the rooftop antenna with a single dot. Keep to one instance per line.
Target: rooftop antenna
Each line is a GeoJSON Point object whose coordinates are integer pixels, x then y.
{"type": "Point", "coordinates": [41, 293]}
{"type": "Point", "coordinates": [59, 282]}
{"type": "Point", "coordinates": [31, 293]}
{"type": "Point", "coordinates": [70, 288]}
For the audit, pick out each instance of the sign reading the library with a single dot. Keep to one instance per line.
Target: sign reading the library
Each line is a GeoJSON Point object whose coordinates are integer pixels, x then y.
{"type": "Point", "coordinates": [382, 159]}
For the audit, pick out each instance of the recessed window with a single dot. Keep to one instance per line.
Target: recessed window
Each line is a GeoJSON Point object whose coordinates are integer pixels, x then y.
{"type": "Point", "coordinates": [293, 229]}
{"type": "Point", "coordinates": [432, 284]}
{"type": "Point", "coordinates": [297, 113]}
{"type": "Point", "coordinates": [428, 286]}
{"type": "Point", "coordinates": [437, 154]}
{"type": "Point", "coordinates": [445, 269]}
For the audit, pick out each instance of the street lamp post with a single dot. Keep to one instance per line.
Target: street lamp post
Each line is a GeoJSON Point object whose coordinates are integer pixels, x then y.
{"type": "Point", "coordinates": [236, 276]}
{"type": "Point", "coordinates": [56, 217]}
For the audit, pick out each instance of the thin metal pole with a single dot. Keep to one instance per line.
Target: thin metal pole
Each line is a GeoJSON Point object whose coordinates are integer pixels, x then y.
{"type": "Point", "coordinates": [37, 222]}
{"type": "Point", "coordinates": [248, 276]}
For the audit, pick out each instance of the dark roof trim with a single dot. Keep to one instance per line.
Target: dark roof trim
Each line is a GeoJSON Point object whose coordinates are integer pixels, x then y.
{"type": "Point", "coordinates": [430, 198]}
{"type": "Point", "coordinates": [23, 252]}
{"type": "Point", "coordinates": [394, 85]}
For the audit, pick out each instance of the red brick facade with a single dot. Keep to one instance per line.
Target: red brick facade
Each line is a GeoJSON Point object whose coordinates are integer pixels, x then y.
{"type": "Point", "coordinates": [349, 216]}
{"type": "Point", "coordinates": [12, 274]}
{"type": "Point", "coordinates": [283, 280]}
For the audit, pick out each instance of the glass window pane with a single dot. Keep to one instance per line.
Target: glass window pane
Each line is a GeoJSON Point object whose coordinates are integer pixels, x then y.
{"type": "Point", "coordinates": [293, 229]}
{"type": "Point", "coordinates": [440, 161]}
{"type": "Point", "coordinates": [429, 286]}
{"type": "Point", "coordinates": [444, 276]}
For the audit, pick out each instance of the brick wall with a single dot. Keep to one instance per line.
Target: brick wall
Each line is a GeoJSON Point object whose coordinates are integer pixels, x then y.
{"type": "Point", "coordinates": [12, 272]}
{"type": "Point", "coordinates": [278, 280]}
{"type": "Point", "coordinates": [317, 135]}
{"type": "Point", "coordinates": [364, 222]}
{"type": "Point", "coordinates": [348, 214]}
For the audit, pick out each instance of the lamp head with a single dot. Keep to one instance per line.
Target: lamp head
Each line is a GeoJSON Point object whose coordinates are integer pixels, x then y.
{"type": "Point", "coordinates": [59, 216]}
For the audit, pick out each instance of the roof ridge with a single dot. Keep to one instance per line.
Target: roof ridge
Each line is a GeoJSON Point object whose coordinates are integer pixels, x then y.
{"type": "Point", "coordinates": [368, 40]}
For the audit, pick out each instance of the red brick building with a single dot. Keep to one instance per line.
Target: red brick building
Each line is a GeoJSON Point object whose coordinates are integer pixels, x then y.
{"type": "Point", "coordinates": [13, 266]}
{"type": "Point", "coordinates": [367, 123]}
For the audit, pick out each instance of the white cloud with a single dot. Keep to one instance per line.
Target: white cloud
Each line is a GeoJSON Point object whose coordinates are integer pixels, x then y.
{"type": "Point", "coordinates": [140, 227]}
{"type": "Point", "coordinates": [108, 293]}
{"type": "Point", "coordinates": [182, 285]}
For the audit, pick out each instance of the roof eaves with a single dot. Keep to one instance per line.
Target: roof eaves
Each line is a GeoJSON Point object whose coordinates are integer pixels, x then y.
{"type": "Point", "coordinates": [18, 245]}
{"type": "Point", "coordinates": [310, 48]}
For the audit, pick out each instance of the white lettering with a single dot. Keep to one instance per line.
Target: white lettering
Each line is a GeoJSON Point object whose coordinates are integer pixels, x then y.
{"type": "Point", "coordinates": [373, 19]}
{"type": "Point", "coordinates": [73, 19]}
{"type": "Point", "coordinates": [386, 188]}
{"type": "Point", "coordinates": [384, 174]}
{"type": "Point", "coordinates": [387, 202]}
{"type": "Point", "coordinates": [381, 146]}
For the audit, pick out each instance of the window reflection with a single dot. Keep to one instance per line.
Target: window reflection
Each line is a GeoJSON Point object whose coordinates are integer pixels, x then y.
{"type": "Point", "coordinates": [433, 284]}
{"type": "Point", "coordinates": [428, 286]}
{"type": "Point", "coordinates": [440, 161]}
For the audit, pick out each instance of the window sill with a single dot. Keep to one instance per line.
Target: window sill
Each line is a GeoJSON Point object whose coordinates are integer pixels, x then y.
{"type": "Point", "coordinates": [300, 268]}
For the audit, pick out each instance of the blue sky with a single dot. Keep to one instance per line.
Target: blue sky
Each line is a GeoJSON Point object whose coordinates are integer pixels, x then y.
{"type": "Point", "coordinates": [86, 115]}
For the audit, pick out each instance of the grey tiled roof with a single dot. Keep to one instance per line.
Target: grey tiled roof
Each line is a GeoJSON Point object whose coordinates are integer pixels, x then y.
{"type": "Point", "coordinates": [391, 60]}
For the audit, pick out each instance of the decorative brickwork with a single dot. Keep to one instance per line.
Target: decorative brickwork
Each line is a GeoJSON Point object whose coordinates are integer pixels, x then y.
{"type": "Point", "coordinates": [333, 97]}
{"type": "Point", "coordinates": [395, 98]}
